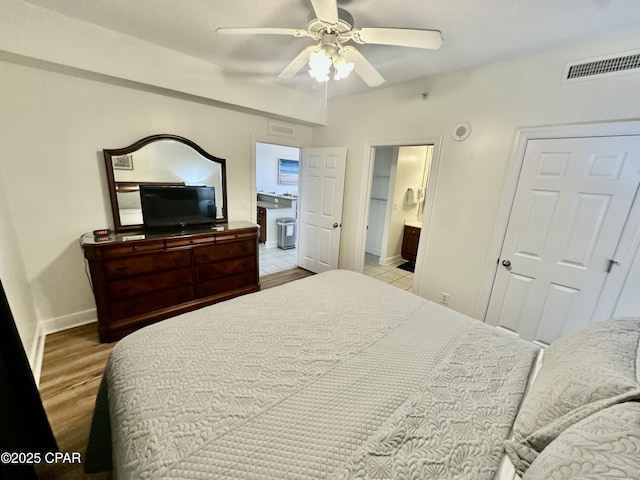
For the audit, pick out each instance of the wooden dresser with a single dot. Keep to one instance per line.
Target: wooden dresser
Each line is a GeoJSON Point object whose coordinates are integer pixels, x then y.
{"type": "Point", "coordinates": [138, 279]}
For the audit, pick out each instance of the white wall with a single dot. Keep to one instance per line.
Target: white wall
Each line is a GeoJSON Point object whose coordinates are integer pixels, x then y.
{"type": "Point", "coordinates": [379, 199]}
{"type": "Point", "coordinates": [15, 282]}
{"type": "Point", "coordinates": [34, 32]}
{"type": "Point", "coordinates": [495, 100]}
{"type": "Point", "coordinates": [52, 132]}
{"type": "Point", "coordinates": [267, 156]}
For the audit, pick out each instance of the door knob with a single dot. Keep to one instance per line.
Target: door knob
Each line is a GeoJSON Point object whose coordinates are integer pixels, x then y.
{"type": "Point", "coordinates": [506, 263]}
{"type": "Point", "coordinates": [335, 225]}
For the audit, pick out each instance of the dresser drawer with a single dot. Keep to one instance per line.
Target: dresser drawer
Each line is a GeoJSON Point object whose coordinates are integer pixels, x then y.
{"type": "Point", "coordinates": [137, 281]}
{"type": "Point", "coordinates": [224, 237]}
{"type": "Point", "coordinates": [141, 264]}
{"type": "Point", "coordinates": [225, 284]}
{"type": "Point", "coordinates": [210, 271]}
{"type": "Point", "coordinates": [131, 248]}
{"type": "Point", "coordinates": [142, 285]}
{"type": "Point", "coordinates": [223, 251]}
{"type": "Point", "coordinates": [124, 309]}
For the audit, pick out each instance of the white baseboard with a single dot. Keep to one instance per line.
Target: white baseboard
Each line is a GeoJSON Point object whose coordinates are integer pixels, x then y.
{"type": "Point", "coordinates": [53, 325]}
{"type": "Point", "coordinates": [390, 260]}
{"type": "Point", "coordinates": [65, 322]}
{"type": "Point", "coordinates": [37, 353]}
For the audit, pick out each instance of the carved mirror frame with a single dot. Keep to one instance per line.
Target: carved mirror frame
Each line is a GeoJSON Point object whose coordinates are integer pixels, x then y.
{"type": "Point", "coordinates": [131, 186]}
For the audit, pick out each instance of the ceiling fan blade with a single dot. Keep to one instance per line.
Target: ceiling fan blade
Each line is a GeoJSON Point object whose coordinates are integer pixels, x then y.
{"type": "Point", "coordinates": [326, 10]}
{"type": "Point", "coordinates": [402, 37]}
{"type": "Point", "coordinates": [363, 68]}
{"type": "Point", "coordinates": [298, 63]}
{"type": "Point", "coordinates": [295, 32]}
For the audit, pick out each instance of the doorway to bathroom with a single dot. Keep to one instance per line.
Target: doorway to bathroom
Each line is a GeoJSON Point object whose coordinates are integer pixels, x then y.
{"type": "Point", "coordinates": [398, 193]}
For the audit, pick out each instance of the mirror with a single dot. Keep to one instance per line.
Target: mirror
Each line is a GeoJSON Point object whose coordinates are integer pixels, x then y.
{"type": "Point", "coordinates": [160, 160]}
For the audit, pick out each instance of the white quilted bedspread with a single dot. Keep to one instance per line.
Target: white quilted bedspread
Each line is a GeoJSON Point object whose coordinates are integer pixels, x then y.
{"type": "Point", "coordinates": [335, 376]}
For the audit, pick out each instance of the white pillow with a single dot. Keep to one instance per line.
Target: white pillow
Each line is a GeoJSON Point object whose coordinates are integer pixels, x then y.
{"type": "Point", "coordinates": [582, 373]}
{"type": "Point", "coordinates": [605, 445]}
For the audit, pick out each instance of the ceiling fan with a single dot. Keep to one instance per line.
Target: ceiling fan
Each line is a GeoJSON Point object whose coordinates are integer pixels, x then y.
{"type": "Point", "coordinates": [331, 29]}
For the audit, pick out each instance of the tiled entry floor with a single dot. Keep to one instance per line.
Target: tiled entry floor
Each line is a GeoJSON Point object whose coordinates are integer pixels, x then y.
{"type": "Point", "coordinates": [274, 260]}
{"type": "Point", "coordinates": [388, 273]}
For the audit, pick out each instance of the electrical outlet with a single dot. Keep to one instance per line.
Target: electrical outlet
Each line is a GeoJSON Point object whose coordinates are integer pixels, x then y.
{"type": "Point", "coordinates": [245, 206]}
{"type": "Point", "coordinates": [444, 298]}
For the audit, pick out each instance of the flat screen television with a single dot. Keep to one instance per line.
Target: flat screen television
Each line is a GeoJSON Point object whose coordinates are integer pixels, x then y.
{"type": "Point", "coordinates": [177, 207]}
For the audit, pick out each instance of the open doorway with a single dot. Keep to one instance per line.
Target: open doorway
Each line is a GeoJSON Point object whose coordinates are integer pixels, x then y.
{"type": "Point", "coordinates": [399, 184]}
{"type": "Point", "coordinates": [277, 181]}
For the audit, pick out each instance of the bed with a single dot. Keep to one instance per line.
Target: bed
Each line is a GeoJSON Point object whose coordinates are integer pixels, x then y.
{"type": "Point", "coordinates": [335, 376]}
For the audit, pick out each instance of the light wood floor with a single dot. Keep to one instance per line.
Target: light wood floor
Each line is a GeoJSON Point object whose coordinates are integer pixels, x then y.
{"type": "Point", "coordinates": [72, 368]}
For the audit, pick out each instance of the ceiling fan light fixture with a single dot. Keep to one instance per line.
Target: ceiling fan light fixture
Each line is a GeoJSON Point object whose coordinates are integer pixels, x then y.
{"type": "Point", "coordinates": [319, 60]}
{"type": "Point", "coordinates": [342, 68]}
{"type": "Point", "coordinates": [319, 65]}
{"type": "Point", "coordinates": [321, 77]}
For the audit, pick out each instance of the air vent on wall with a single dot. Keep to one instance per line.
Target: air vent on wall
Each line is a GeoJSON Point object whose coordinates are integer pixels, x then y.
{"type": "Point", "coordinates": [617, 64]}
{"type": "Point", "coordinates": [281, 129]}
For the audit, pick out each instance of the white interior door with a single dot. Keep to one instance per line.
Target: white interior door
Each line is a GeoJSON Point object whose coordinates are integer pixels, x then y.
{"type": "Point", "coordinates": [322, 174]}
{"type": "Point", "coordinates": [571, 205]}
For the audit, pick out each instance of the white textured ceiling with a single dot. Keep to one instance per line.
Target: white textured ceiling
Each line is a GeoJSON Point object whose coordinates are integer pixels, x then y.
{"type": "Point", "coordinates": [475, 31]}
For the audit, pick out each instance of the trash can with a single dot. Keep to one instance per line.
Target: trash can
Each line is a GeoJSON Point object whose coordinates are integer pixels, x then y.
{"type": "Point", "coordinates": [286, 233]}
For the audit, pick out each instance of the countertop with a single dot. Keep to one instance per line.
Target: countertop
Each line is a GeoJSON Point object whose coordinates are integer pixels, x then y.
{"type": "Point", "coordinates": [275, 200]}
{"type": "Point", "coordinates": [271, 205]}
{"type": "Point", "coordinates": [414, 222]}
{"type": "Point", "coordinates": [277, 195]}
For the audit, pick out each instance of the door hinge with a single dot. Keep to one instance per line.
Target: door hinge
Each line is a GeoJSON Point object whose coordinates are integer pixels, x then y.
{"type": "Point", "coordinates": [611, 264]}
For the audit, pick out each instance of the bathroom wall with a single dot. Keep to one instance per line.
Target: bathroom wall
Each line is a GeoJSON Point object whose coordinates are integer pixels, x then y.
{"type": "Point", "coordinates": [385, 159]}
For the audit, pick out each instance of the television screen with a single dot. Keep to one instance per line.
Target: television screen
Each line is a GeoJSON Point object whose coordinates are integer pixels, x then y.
{"type": "Point", "coordinates": [177, 207]}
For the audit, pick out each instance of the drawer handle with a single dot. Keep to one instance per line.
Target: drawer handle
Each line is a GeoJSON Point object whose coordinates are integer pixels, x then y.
{"type": "Point", "coordinates": [125, 291]}
{"type": "Point", "coordinates": [122, 270]}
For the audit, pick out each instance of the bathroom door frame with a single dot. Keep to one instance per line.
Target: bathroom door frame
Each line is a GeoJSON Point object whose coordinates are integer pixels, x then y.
{"type": "Point", "coordinates": [365, 195]}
